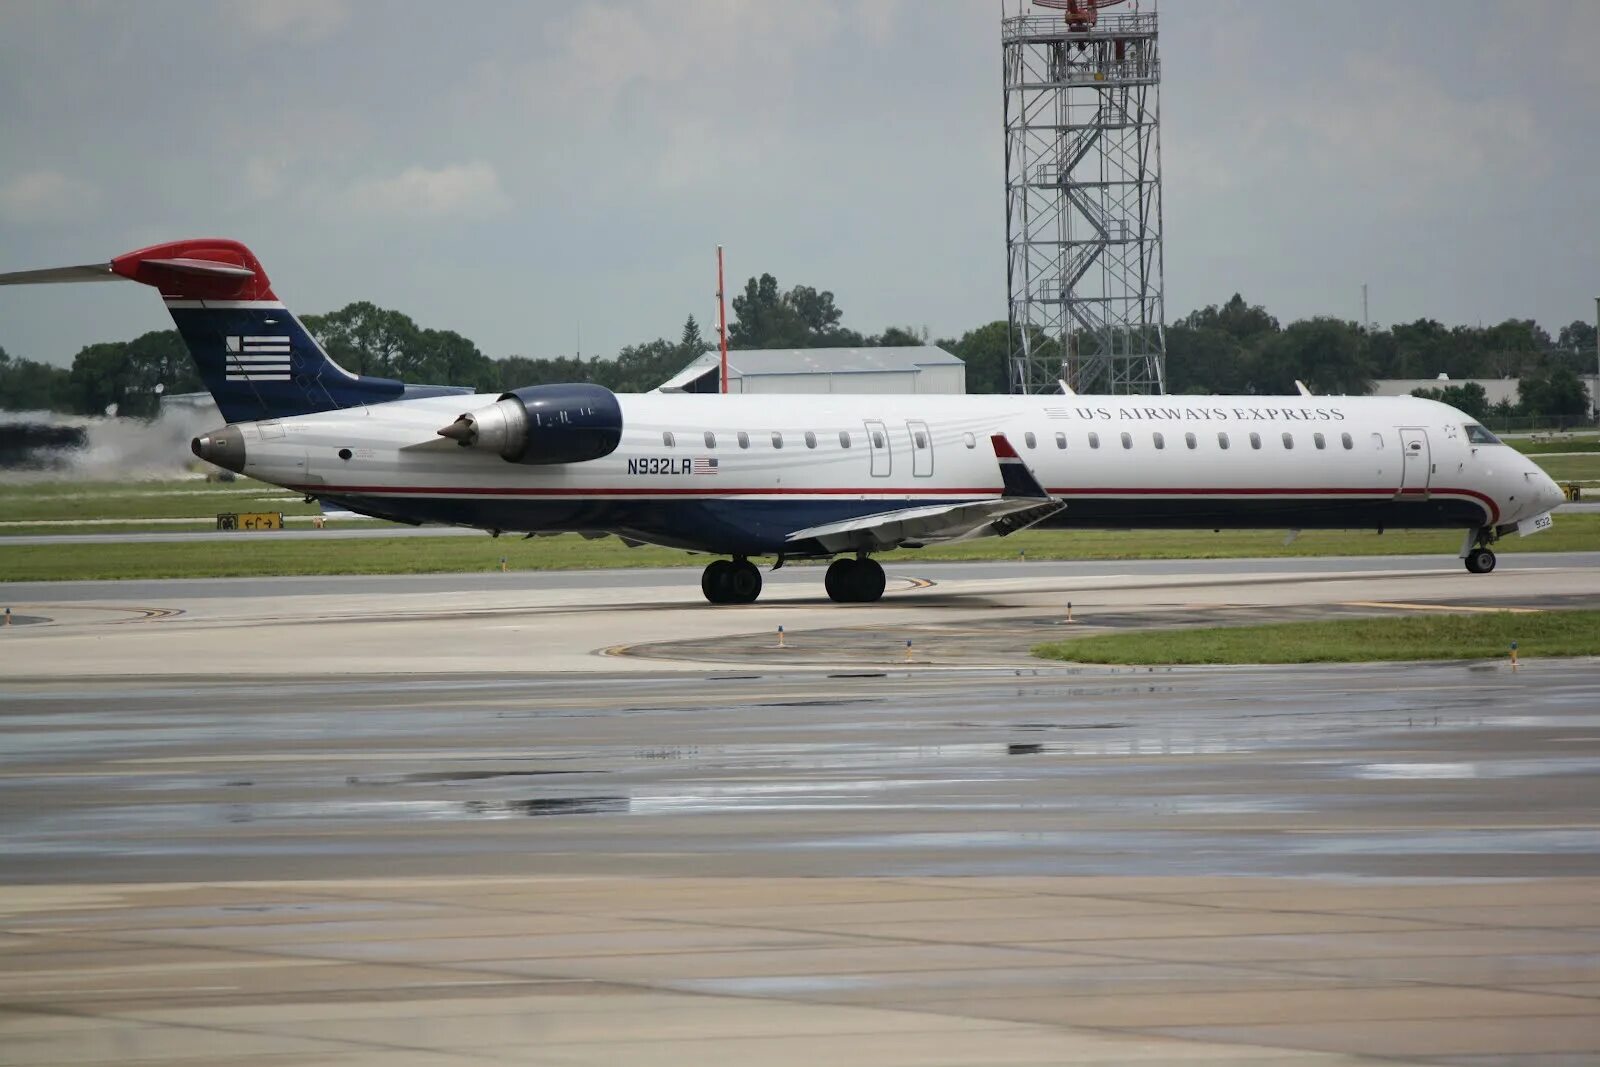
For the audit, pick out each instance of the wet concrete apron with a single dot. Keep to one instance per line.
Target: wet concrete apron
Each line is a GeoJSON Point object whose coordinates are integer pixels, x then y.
{"type": "Point", "coordinates": [1273, 865]}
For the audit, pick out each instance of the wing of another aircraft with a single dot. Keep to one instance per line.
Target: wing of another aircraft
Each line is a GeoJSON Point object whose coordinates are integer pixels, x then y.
{"type": "Point", "coordinates": [1023, 503]}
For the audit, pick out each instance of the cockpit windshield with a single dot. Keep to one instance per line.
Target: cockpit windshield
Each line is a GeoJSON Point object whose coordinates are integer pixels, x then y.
{"type": "Point", "coordinates": [1477, 435]}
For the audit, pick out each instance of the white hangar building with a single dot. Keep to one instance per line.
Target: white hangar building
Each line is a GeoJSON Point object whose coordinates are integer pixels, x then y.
{"type": "Point", "coordinates": [915, 369]}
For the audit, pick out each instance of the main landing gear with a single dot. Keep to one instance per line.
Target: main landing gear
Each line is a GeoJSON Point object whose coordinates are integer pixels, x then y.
{"type": "Point", "coordinates": [848, 581]}
{"type": "Point", "coordinates": [731, 582]}
{"type": "Point", "coordinates": [854, 581]}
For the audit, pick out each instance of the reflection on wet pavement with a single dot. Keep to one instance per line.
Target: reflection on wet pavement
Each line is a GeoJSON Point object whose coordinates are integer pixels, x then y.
{"type": "Point", "coordinates": [1297, 866]}
{"type": "Point", "coordinates": [1340, 771]}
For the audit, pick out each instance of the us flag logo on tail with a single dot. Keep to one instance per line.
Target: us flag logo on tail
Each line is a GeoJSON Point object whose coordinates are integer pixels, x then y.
{"type": "Point", "coordinates": [703, 465]}
{"type": "Point", "coordinates": [258, 359]}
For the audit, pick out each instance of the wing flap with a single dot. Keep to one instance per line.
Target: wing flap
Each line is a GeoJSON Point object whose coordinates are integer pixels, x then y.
{"type": "Point", "coordinates": [1022, 503]}
{"type": "Point", "coordinates": [995, 517]}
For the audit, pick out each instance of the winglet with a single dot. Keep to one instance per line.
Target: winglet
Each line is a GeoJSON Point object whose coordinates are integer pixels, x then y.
{"type": "Point", "coordinates": [1014, 474]}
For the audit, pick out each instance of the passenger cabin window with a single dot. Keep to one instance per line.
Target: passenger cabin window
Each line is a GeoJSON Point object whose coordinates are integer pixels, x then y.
{"type": "Point", "coordinates": [844, 438]}
{"type": "Point", "coordinates": [1348, 441]}
{"type": "Point", "coordinates": [1094, 440]}
{"type": "Point", "coordinates": [1255, 440]}
{"type": "Point", "coordinates": [1159, 439]}
{"type": "Point", "coordinates": [919, 439]}
{"type": "Point", "coordinates": [1319, 440]}
{"type": "Point", "coordinates": [877, 439]}
{"type": "Point", "coordinates": [1222, 440]}
{"type": "Point", "coordinates": [711, 439]}
{"type": "Point", "coordinates": [666, 438]}
{"type": "Point", "coordinates": [1189, 440]}
{"type": "Point", "coordinates": [1030, 440]}
{"type": "Point", "coordinates": [777, 439]}
{"type": "Point", "coordinates": [811, 439]}
{"type": "Point", "coordinates": [1127, 440]}
{"type": "Point", "coordinates": [1477, 435]}
{"type": "Point", "coordinates": [969, 440]}
{"type": "Point", "coordinates": [1061, 440]}
{"type": "Point", "coordinates": [744, 439]}
{"type": "Point", "coordinates": [1288, 440]}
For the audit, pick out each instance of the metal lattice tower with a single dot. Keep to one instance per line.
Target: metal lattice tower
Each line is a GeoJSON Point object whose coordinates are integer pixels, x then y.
{"type": "Point", "coordinates": [1084, 267]}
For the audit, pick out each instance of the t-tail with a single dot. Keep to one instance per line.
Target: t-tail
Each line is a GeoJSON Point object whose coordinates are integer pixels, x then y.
{"type": "Point", "coordinates": [254, 356]}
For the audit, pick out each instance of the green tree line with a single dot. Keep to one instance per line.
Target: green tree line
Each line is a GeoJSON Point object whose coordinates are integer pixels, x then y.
{"type": "Point", "coordinates": [1237, 347]}
{"type": "Point", "coordinates": [1233, 347]}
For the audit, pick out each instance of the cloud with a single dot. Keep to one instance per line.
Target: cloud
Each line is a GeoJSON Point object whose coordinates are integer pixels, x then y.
{"type": "Point", "coordinates": [1403, 134]}
{"type": "Point", "coordinates": [1560, 35]}
{"type": "Point", "coordinates": [41, 196]}
{"type": "Point", "coordinates": [464, 190]}
{"type": "Point", "coordinates": [306, 21]}
{"type": "Point", "coordinates": [688, 92]}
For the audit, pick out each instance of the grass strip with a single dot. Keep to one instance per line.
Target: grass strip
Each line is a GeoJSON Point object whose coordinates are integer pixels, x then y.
{"type": "Point", "coordinates": [252, 555]}
{"type": "Point", "coordinates": [1541, 448]}
{"type": "Point", "coordinates": [1409, 637]}
{"type": "Point", "coordinates": [144, 500]}
{"type": "Point", "coordinates": [1571, 468]}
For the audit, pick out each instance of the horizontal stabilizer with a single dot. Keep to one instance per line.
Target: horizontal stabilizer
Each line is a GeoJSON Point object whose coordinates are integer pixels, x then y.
{"type": "Point", "coordinates": [89, 272]}
{"type": "Point", "coordinates": [207, 267]}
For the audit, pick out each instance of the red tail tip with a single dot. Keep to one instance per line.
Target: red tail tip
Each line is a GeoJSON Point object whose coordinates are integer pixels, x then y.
{"type": "Point", "coordinates": [201, 269]}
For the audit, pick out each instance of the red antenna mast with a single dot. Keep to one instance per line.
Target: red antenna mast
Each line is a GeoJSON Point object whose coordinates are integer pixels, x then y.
{"type": "Point", "coordinates": [722, 321]}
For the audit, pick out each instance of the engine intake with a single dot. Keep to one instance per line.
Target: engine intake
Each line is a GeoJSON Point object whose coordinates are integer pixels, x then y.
{"type": "Point", "coordinates": [544, 424]}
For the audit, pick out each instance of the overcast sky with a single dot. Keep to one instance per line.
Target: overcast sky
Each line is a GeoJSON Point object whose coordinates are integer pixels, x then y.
{"type": "Point", "coordinates": [519, 171]}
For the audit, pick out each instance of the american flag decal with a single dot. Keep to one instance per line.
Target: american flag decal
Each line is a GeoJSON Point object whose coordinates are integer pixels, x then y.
{"type": "Point", "coordinates": [257, 359]}
{"type": "Point", "coordinates": [703, 465]}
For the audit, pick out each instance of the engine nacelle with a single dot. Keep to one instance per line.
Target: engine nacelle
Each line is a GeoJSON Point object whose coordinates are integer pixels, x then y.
{"type": "Point", "coordinates": [542, 424]}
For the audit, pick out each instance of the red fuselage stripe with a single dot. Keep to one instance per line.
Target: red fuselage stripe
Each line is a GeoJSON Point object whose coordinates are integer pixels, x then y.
{"type": "Point", "coordinates": [868, 491]}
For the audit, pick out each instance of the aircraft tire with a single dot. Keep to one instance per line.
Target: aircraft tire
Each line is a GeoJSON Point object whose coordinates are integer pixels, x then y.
{"type": "Point", "coordinates": [839, 579]}
{"type": "Point", "coordinates": [714, 581]}
{"type": "Point", "coordinates": [868, 581]}
{"type": "Point", "coordinates": [743, 582]}
{"type": "Point", "coordinates": [1480, 561]}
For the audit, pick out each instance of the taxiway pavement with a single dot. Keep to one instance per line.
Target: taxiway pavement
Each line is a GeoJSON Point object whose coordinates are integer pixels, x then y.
{"type": "Point", "coordinates": [569, 621]}
{"type": "Point", "coordinates": [586, 819]}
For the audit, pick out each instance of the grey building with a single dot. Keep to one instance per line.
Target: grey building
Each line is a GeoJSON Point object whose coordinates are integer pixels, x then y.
{"type": "Point", "coordinates": [1496, 389]}
{"type": "Point", "coordinates": [916, 369]}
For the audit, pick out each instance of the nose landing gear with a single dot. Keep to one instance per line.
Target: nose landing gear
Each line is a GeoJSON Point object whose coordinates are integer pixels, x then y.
{"type": "Point", "coordinates": [1475, 550]}
{"type": "Point", "coordinates": [854, 581]}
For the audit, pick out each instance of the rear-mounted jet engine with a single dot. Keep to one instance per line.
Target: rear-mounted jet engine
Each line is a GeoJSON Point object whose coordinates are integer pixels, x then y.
{"type": "Point", "coordinates": [543, 424]}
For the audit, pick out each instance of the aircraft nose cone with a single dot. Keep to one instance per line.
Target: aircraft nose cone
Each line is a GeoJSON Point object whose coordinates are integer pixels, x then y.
{"type": "Point", "coordinates": [1551, 494]}
{"type": "Point", "coordinates": [224, 447]}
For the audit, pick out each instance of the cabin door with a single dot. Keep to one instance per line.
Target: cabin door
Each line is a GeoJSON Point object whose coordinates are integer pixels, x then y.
{"type": "Point", "coordinates": [1416, 462]}
{"type": "Point", "coordinates": [921, 449]}
{"type": "Point", "coordinates": [878, 445]}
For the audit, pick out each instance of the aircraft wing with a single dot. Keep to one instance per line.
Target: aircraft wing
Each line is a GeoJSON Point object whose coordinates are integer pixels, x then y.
{"type": "Point", "coordinates": [1023, 503]}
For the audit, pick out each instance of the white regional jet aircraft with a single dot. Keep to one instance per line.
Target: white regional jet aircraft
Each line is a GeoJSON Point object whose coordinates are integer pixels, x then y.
{"type": "Point", "coordinates": [807, 477]}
